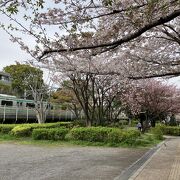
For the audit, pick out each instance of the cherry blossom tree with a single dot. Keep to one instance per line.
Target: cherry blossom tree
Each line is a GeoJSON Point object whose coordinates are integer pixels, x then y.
{"type": "Point", "coordinates": [141, 34]}
{"type": "Point", "coordinates": [154, 98]}
{"type": "Point", "coordinates": [91, 39]}
{"type": "Point", "coordinates": [97, 96]}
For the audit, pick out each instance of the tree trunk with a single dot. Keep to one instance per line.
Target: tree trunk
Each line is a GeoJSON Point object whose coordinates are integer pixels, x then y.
{"type": "Point", "coordinates": [153, 122]}
{"type": "Point", "coordinates": [40, 114]}
{"type": "Point", "coordinates": [88, 122]}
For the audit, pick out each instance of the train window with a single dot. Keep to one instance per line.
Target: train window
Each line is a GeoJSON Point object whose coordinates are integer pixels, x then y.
{"type": "Point", "coordinates": [31, 105]}
{"type": "Point", "coordinates": [7, 103]}
{"type": "Point", "coordinates": [19, 104]}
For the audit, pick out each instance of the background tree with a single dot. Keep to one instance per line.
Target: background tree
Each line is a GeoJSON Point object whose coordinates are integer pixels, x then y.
{"type": "Point", "coordinates": [154, 99]}
{"type": "Point", "coordinates": [27, 81]}
{"type": "Point", "coordinates": [5, 89]}
{"type": "Point", "coordinates": [23, 76]}
{"type": "Point", "coordinates": [65, 97]}
{"type": "Point", "coordinates": [97, 96]}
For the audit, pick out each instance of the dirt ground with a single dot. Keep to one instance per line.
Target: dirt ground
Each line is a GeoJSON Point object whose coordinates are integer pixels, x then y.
{"type": "Point", "coordinates": [28, 162]}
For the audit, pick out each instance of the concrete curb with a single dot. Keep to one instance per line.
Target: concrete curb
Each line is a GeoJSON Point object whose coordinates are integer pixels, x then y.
{"type": "Point", "coordinates": [133, 171]}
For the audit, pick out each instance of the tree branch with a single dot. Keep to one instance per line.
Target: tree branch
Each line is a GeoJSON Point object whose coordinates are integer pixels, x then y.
{"type": "Point", "coordinates": [125, 39]}
{"type": "Point", "coordinates": [166, 74]}
{"type": "Point", "coordinates": [173, 74]}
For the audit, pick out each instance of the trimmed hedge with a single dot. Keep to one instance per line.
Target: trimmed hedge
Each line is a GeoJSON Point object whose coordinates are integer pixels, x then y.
{"type": "Point", "coordinates": [157, 132]}
{"type": "Point", "coordinates": [50, 125]}
{"type": "Point", "coordinates": [25, 130]}
{"type": "Point", "coordinates": [170, 130]}
{"type": "Point", "coordinates": [161, 130]}
{"type": "Point", "coordinates": [21, 131]}
{"type": "Point", "coordinates": [6, 128]}
{"type": "Point", "coordinates": [92, 134]}
{"type": "Point", "coordinates": [50, 134]}
{"type": "Point", "coordinates": [103, 134]}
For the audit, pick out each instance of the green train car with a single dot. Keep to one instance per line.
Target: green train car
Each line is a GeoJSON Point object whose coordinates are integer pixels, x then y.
{"type": "Point", "coordinates": [16, 110]}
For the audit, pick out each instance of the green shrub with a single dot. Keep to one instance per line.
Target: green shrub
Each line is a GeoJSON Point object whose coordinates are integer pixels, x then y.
{"type": "Point", "coordinates": [104, 134]}
{"type": "Point", "coordinates": [134, 122]}
{"type": "Point", "coordinates": [116, 136]}
{"type": "Point", "coordinates": [49, 134]}
{"type": "Point", "coordinates": [6, 128]}
{"type": "Point", "coordinates": [157, 132]}
{"type": "Point", "coordinates": [79, 123]}
{"type": "Point", "coordinates": [124, 136]}
{"type": "Point", "coordinates": [170, 130]}
{"type": "Point", "coordinates": [50, 125]}
{"type": "Point", "coordinates": [26, 129]}
{"type": "Point", "coordinates": [92, 134]}
{"type": "Point", "coordinates": [21, 131]}
{"type": "Point", "coordinates": [115, 125]}
{"type": "Point", "coordinates": [131, 135]}
{"type": "Point", "coordinates": [119, 124]}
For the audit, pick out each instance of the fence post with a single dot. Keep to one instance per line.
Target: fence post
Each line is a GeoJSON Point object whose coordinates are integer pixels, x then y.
{"type": "Point", "coordinates": [16, 114]}
{"type": "Point", "coordinates": [4, 117]}
{"type": "Point", "coordinates": [27, 115]}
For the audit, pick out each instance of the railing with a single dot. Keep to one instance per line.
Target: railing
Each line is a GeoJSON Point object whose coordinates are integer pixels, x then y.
{"type": "Point", "coordinates": [15, 114]}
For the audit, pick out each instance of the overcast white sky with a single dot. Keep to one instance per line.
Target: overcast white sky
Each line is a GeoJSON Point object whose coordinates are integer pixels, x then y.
{"type": "Point", "coordinates": [10, 52]}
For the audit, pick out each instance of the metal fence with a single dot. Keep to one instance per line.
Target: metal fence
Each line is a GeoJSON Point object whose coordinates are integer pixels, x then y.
{"type": "Point", "coordinates": [26, 114]}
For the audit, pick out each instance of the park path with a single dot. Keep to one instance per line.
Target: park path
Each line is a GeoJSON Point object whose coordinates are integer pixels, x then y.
{"type": "Point", "coordinates": [163, 165]}
{"type": "Point", "coordinates": [28, 162]}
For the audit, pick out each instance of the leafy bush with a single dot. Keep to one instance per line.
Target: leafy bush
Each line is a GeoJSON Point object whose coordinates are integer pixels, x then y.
{"type": "Point", "coordinates": [79, 123]}
{"type": "Point", "coordinates": [170, 130]}
{"type": "Point", "coordinates": [49, 134]}
{"type": "Point", "coordinates": [157, 132]}
{"type": "Point", "coordinates": [6, 128]}
{"type": "Point", "coordinates": [124, 136]}
{"type": "Point", "coordinates": [103, 134]}
{"type": "Point", "coordinates": [92, 134]}
{"type": "Point", "coordinates": [116, 136]}
{"type": "Point", "coordinates": [134, 122]}
{"type": "Point", "coordinates": [119, 124]}
{"type": "Point", "coordinates": [26, 129]}
{"type": "Point", "coordinates": [21, 131]}
{"type": "Point", "coordinates": [50, 125]}
{"type": "Point", "coordinates": [131, 135]}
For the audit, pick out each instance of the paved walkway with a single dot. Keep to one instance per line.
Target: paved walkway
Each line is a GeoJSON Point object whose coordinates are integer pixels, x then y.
{"type": "Point", "coordinates": [28, 162]}
{"type": "Point", "coordinates": [163, 165]}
